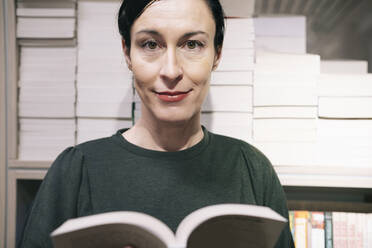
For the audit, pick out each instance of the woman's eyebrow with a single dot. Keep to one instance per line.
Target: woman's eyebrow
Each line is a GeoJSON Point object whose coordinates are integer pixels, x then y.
{"type": "Point", "coordinates": [149, 31]}
{"type": "Point", "coordinates": [186, 35]}
{"type": "Point", "coordinates": [189, 34]}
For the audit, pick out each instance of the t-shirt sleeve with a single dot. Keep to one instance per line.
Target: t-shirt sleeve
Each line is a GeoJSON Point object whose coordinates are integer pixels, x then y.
{"type": "Point", "coordinates": [56, 200]}
{"type": "Point", "coordinates": [268, 189]}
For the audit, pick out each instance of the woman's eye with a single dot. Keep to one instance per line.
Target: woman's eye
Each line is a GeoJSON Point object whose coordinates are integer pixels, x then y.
{"type": "Point", "coordinates": [152, 45]}
{"type": "Point", "coordinates": [192, 44]}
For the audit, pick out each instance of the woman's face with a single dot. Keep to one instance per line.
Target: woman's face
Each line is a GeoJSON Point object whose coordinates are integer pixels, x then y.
{"type": "Point", "coordinates": [172, 55]}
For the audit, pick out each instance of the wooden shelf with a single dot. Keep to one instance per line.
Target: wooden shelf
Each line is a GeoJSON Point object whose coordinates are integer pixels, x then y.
{"type": "Point", "coordinates": [331, 206]}
{"type": "Point", "coordinates": [2, 130]}
{"type": "Point", "coordinates": [14, 176]}
{"type": "Point", "coordinates": [24, 164]}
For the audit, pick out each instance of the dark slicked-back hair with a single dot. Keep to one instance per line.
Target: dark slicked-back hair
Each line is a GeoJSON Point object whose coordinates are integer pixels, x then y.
{"type": "Point", "coordinates": [130, 10]}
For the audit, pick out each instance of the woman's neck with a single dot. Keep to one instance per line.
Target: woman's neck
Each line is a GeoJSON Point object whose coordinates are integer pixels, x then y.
{"type": "Point", "coordinates": [153, 134]}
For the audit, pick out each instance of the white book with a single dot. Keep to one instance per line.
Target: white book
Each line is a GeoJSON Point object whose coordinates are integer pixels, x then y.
{"type": "Point", "coordinates": [290, 130]}
{"type": "Point", "coordinates": [232, 78]}
{"type": "Point", "coordinates": [228, 98]}
{"type": "Point", "coordinates": [45, 12]}
{"type": "Point", "coordinates": [238, 8]}
{"type": "Point", "coordinates": [36, 140]}
{"type": "Point", "coordinates": [38, 154]}
{"type": "Point", "coordinates": [46, 83]}
{"type": "Point", "coordinates": [50, 91]}
{"type": "Point", "coordinates": [283, 44]}
{"type": "Point", "coordinates": [109, 79]}
{"type": "Point", "coordinates": [239, 33]}
{"type": "Point", "coordinates": [47, 61]}
{"type": "Point", "coordinates": [47, 98]}
{"type": "Point", "coordinates": [84, 136]}
{"type": "Point", "coordinates": [113, 67]}
{"type": "Point", "coordinates": [105, 94]}
{"type": "Point", "coordinates": [37, 71]}
{"type": "Point", "coordinates": [322, 153]}
{"type": "Point", "coordinates": [344, 153]}
{"type": "Point", "coordinates": [236, 125]}
{"type": "Point", "coordinates": [105, 125]}
{"type": "Point", "coordinates": [285, 78]}
{"type": "Point", "coordinates": [40, 27]}
{"type": "Point", "coordinates": [89, 129]}
{"type": "Point", "coordinates": [280, 25]}
{"type": "Point", "coordinates": [345, 107]}
{"type": "Point", "coordinates": [92, 8]}
{"type": "Point", "coordinates": [344, 66]}
{"type": "Point", "coordinates": [289, 153]}
{"type": "Point", "coordinates": [91, 52]}
{"type": "Point", "coordinates": [223, 225]}
{"type": "Point", "coordinates": [48, 52]}
{"type": "Point", "coordinates": [340, 129]}
{"type": "Point", "coordinates": [266, 112]}
{"type": "Point", "coordinates": [345, 85]}
{"type": "Point", "coordinates": [49, 122]}
{"type": "Point", "coordinates": [108, 110]}
{"type": "Point", "coordinates": [268, 94]}
{"type": "Point", "coordinates": [236, 60]}
{"type": "Point", "coordinates": [280, 62]}
{"type": "Point", "coordinates": [50, 110]}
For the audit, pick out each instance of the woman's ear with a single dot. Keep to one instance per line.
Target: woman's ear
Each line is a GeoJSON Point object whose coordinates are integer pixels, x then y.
{"type": "Point", "coordinates": [217, 58]}
{"type": "Point", "coordinates": [126, 51]}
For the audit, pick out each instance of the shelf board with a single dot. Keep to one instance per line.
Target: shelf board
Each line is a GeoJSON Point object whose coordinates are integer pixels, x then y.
{"type": "Point", "coordinates": [14, 163]}
{"type": "Point", "coordinates": [332, 206]}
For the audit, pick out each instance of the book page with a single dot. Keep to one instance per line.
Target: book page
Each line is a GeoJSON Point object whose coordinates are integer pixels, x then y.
{"type": "Point", "coordinates": [109, 236]}
{"type": "Point", "coordinates": [236, 231]}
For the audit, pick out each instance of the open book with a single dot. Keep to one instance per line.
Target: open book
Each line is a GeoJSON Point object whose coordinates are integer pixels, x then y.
{"type": "Point", "coordinates": [216, 226]}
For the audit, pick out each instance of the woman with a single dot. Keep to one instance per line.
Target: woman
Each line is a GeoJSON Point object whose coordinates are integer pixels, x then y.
{"type": "Point", "coordinates": [167, 165]}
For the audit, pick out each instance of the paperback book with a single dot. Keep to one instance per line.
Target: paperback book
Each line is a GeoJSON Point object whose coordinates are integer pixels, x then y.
{"type": "Point", "coordinates": [217, 226]}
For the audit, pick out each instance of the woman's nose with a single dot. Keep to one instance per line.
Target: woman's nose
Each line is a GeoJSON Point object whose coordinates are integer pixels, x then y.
{"type": "Point", "coordinates": [171, 71]}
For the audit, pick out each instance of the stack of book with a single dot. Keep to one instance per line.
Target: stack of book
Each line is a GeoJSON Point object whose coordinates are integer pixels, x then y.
{"type": "Point", "coordinates": [227, 109]}
{"type": "Point", "coordinates": [47, 82]}
{"type": "Point", "coordinates": [88, 129]}
{"type": "Point", "coordinates": [277, 33]}
{"type": "Point", "coordinates": [47, 90]}
{"type": "Point", "coordinates": [285, 106]}
{"type": "Point", "coordinates": [345, 96]}
{"type": "Point", "coordinates": [344, 66]}
{"type": "Point", "coordinates": [46, 19]}
{"type": "Point", "coordinates": [330, 229]}
{"type": "Point", "coordinates": [47, 72]}
{"type": "Point", "coordinates": [44, 139]}
{"type": "Point", "coordinates": [345, 111]}
{"type": "Point", "coordinates": [104, 83]}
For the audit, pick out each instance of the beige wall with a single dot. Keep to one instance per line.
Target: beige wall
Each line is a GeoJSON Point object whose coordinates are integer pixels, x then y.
{"type": "Point", "coordinates": [2, 129]}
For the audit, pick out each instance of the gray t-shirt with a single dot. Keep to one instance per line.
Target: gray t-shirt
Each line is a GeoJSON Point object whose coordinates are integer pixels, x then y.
{"type": "Point", "coordinates": [111, 174]}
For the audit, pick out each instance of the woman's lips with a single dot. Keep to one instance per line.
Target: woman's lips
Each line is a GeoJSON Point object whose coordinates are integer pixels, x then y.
{"type": "Point", "coordinates": [172, 96]}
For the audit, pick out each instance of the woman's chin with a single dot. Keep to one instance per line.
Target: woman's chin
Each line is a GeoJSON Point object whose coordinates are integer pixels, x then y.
{"type": "Point", "coordinates": [177, 118]}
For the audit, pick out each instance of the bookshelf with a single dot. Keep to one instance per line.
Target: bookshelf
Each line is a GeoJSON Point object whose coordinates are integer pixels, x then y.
{"type": "Point", "coordinates": [19, 179]}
